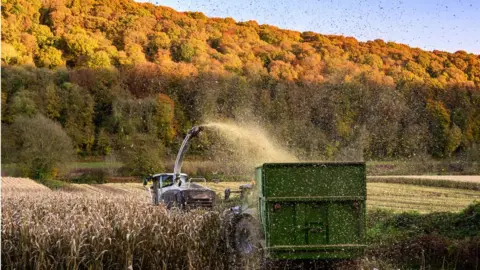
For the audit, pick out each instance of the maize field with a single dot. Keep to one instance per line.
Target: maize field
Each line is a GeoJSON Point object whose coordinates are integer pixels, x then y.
{"type": "Point", "coordinates": [77, 230]}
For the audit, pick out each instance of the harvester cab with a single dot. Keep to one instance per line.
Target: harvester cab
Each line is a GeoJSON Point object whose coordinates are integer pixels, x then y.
{"type": "Point", "coordinates": [176, 189]}
{"type": "Point", "coordinates": [179, 191]}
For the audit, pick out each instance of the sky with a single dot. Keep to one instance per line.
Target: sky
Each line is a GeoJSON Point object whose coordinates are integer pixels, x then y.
{"type": "Point", "coordinates": [447, 25]}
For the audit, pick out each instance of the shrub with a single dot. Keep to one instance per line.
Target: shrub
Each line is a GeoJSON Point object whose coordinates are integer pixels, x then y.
{"type": "Point", "coordinates": [53, 184]}
{"type": "Point", "coordinates": [436, 240]}
{"type": "Point", "coordinates": [89, 176]}
{"type": "Point", "coordinates": [37, 145]}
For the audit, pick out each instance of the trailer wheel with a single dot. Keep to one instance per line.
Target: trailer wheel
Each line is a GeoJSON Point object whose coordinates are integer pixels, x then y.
{"type": "Point", "coordinates": [245, 237]}
{"type": "Point", "coordinates": [247, 243]}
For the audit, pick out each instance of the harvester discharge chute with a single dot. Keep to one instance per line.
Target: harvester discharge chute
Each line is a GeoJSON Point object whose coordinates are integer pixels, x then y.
{"type": "Point", "coordinates": [193, 132]}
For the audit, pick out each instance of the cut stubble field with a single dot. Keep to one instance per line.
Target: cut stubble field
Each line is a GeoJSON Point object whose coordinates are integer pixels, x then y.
{"type": "Point", "coordinates": [398, 197]}
{"type": "Point", "coordinates": [402, 197]}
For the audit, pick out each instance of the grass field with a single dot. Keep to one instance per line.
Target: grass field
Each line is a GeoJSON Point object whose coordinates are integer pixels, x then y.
{"type": "Point", "coordinates": [402, 197]}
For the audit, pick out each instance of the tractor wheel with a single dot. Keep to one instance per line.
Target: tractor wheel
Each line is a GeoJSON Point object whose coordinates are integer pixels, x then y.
{"type": "Point", "coordinates": [246, 238]}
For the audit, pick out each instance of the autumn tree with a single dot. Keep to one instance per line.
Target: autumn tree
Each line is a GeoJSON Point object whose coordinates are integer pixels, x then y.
{"type": "Point", "coordinates": [49, 57]}
{"type": "Point", "coordinates": [445, 137]}
{"type": "Point", "coordinates": [110, 70]}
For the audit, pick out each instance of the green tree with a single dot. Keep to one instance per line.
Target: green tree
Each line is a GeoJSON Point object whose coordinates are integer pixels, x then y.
{"type": "Point", "coordinates": [37, 145]}
{"type": "Point", "coordinates": [454, 139]}
{"type": "Point", "coordinates": [327, 86]}
{"type": "Point", "coordinates": [439, 117]}
{"type": "Point", "coordinates": [183, 52]}
{"type": "Point", "coordinates": [165, 118]}
{"type": "Point", "coordinates": [53, 102]}
{"type": "Point", "coordinates": [77, 117]}
{"type": "Point", "coordinates": [158, 41]}
{"type": "Point", "coordinates": [23, 103]}
{"type": "Point", "coordinates": [103, 145]}
{"type": "Point", "coordinates": [142, 155]}
{"type": "Point", "coordinates": [269, 36]}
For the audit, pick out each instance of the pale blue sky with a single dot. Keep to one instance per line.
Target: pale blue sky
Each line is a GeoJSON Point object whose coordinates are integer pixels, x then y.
{"type": "Point", "coordinates": [448, 25]}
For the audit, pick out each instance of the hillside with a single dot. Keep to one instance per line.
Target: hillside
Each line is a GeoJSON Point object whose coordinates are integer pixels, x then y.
{"type": "Point", "coordinates": [114, 73]}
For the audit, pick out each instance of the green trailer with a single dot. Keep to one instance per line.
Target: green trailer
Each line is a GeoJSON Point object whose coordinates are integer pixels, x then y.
{"type": "Point", "coordinates": [303, 211]}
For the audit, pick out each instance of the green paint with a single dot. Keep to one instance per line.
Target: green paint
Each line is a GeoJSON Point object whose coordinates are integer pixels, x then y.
{"type": "Point", "coordinates": [312, 210]}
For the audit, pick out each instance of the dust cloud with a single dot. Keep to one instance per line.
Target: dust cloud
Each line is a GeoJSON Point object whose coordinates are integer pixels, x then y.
{"type": "Point", "coordinates": [251, 145]}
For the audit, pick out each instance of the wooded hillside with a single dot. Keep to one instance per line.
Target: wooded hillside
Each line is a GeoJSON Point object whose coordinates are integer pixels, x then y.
{"type": "Point", "coordinates": [119, 73]}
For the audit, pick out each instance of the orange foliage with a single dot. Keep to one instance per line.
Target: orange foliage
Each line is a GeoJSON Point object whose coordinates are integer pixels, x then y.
{"type": "Point", "coordinates": [134, 30]}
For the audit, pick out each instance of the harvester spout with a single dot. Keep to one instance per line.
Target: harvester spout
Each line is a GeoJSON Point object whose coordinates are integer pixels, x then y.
{"type": "Point", "coordinates": [193, 132]}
